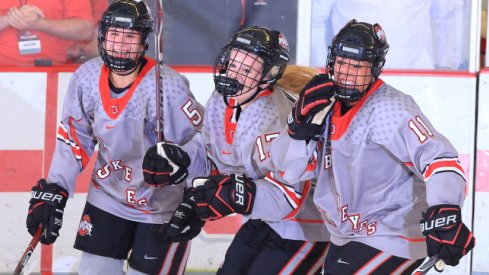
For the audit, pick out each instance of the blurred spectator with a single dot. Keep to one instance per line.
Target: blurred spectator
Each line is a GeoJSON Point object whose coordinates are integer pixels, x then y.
{"type": "Point", "coordinates": [424, 34]}
{"type": "Point", "coordinates": [40, 29]}
{"type": "Point", "coordinates": [81, 52]}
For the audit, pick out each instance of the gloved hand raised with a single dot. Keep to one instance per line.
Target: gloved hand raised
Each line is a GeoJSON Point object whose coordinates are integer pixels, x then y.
{"type": "Point", "coordinates": [165, 164]}
{"type": "Point", "coordinates": [46, 208]}
{"type": "Point", "coordinates": [306, 121]}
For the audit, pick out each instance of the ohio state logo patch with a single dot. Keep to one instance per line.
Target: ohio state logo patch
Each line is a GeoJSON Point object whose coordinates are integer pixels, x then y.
{"type": "Point", "coordinates": [379, 32]}
{"type": "Point", "coordinates": [282, 41]}
{"type": "Point", "coordinates": [86, 226]}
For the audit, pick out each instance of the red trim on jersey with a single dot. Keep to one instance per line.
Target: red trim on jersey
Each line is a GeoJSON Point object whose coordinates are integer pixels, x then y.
{"type": "Point", "coordinates": [62, 135]}
{"type": "Point", "coordinates": [264, 93]}
{"type": "Point", "coordinates": [305, 193]}
{"type": "Point", "coordinates": [83, 155]}
{"type": "Point", "coordinates": [95, 184]}
{"type": "Point", "coordinates": [294, 198]}
{"type": "Point", "coordinates": [119, 103]}
{"type": "Point", "coordinates": [413, 240]}
{"type": "Point", "coordinates": [408, 163]}
{"type": "Point", "coordinates": [229, 126]}
{"type": "Point", "coordinates": [147, 212]}
{"type": "Point", "coordinates": [305, 220]}
{"type": "Point", "coordinates": [312, 164]}
{"type": "Point", "coordinates": [340, 123]}
{"type": "Point", "coordinates": [443, 165]}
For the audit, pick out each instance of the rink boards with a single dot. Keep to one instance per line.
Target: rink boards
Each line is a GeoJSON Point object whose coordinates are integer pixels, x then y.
{"type": "Point", "coordinates": [31, 105]}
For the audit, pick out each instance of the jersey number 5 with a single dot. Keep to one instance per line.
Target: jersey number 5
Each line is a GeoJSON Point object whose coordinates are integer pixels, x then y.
{"type": "Point", "coordinates": [193, 115]}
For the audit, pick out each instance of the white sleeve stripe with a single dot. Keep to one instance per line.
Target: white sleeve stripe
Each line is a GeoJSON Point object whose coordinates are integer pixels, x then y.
{"type": "Point", "coordinates": [292, 196]}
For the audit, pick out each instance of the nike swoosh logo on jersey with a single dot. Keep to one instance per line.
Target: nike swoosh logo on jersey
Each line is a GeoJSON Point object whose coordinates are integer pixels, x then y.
{"type": "Point", "coordinates": [224, 152]}
{"type": "Point", "coordinates": [146, 257]}
{"type": "Point", "coordinates": [340, 261]}
{"type": "Point", "coordinates": [108, 126]}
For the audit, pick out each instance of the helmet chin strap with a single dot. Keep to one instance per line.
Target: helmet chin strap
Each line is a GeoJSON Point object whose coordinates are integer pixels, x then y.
{"type": "Point", "coordinates": [227, 86]}
{"type": "Point", "coordinates": [249, 99]}
{"type": "Point", "coordinates": [351, 94]}
{"type": "Point", "coordinates": [127, 65]}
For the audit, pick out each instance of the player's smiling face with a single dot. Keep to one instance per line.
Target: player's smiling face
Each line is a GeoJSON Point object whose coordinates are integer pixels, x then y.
{"type": "Point", "coordinates": [246, 68]}
{"type": "Point", "coordinates": [352, 74]}
{"type": "Point", "coordinates": [123, 43]}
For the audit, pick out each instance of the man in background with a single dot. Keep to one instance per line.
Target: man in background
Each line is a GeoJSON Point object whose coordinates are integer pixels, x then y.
{"type": "Point", "coordinates": [42, 30]}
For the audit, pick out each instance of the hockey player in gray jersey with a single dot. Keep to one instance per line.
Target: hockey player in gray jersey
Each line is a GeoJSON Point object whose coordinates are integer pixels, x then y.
{"type": "Point", "coordinates": [284, 232]}
{"type": "Point", "coordinates": [382, 168]}
{"type": "Point", "coordinates": [111, 103]}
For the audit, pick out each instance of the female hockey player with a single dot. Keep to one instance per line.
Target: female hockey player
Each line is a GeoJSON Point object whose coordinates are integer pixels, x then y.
{"type": "Point", "coordinates": [382, 167]}
{"type": "Point", "coordinates": [283, 233]}
{"type": "Point", "coordinates": [111, 103]}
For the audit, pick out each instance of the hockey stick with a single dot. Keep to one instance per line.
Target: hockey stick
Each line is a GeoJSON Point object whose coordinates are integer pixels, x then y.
{"type": "Point", "coordinates": [28, 252]}
{"type": "Point", "coordinates": [429, 263]}
{"type": "Point", "coordinates": [159, 79]}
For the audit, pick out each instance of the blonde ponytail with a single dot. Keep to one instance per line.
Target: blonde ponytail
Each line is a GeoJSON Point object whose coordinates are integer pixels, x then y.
{"type": "Point", "coordinates": [295, 77]}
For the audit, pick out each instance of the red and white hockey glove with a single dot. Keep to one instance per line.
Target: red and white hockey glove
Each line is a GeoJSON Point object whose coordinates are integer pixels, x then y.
{"type": "Point", "coordinates": [46, 207]}
{"type": "Point", "coordinates": [446, 234]}
{"type": "Point", "coordinates": [220, 195]}
{"type": "Point", "coordinates": [306, 121]}
{"type": "Point", "coordinates": [165, 164]}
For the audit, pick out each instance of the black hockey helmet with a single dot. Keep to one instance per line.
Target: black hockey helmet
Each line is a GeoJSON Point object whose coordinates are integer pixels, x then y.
{"type": "Point", "coordinates": [126, 14]}
{"type": "Point", "coordinates": [362, 42]}
{"type": "Point", "coordinates": [269, 45]}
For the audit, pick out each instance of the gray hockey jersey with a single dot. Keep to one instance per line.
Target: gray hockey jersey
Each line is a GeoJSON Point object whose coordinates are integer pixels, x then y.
{"type": "Point", "coordinates": [123, 128]}
{"type": "Point", "coordinates": [378, 167]}
{"type": "Point", "coordinates": [228, 146]}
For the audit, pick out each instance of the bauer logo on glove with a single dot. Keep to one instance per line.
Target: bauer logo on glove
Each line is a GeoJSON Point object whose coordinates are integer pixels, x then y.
{"type": "Point", "coordinates": [221, 195]}
{"type": "Point", "coordinates": [446, 235]}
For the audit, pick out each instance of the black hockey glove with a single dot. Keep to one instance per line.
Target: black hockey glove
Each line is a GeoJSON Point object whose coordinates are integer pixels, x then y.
{"type": "Point", "coordinates": [220, 195]}
{"type": "Point", "coordinates": [165, 164]}
{"type": "Point", "coordinates": [46, 208]}
{"type": "Point", "coordinates": [446, 234]}
{"type": "Point", "coordinates": [184, 225]}
{"type": "Point", "coordinates": [306, 121]}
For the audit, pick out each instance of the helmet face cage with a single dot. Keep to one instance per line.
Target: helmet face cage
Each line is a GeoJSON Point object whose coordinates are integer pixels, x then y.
{"type": "Point", "coordinates": [238, 71]}
{"type": "Point", "coordinates": [123, 35]}
{"type": "Point", "coordinates": [356, 58]}
{"type": "Point", "coordinates": [253, 61]}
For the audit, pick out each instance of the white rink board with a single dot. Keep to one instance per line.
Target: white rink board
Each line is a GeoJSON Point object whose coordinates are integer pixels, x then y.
{"type": "Point", "coordinates": [23, 108]}
{"type": "Point", "coordinates": [449, 103]}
